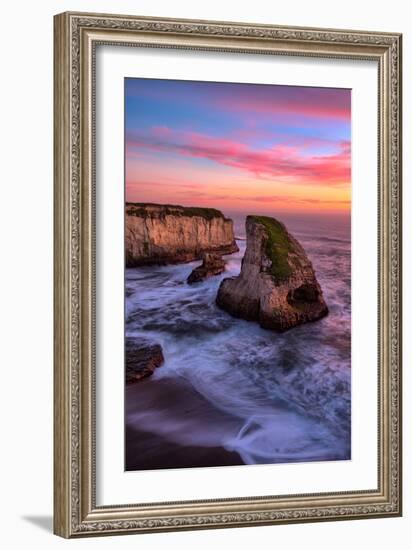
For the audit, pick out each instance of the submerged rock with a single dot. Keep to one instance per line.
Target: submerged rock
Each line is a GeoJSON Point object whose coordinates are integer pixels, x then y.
{"type": "Point", "coordinates": [142, 358]}
{"type": "Point", "coordinates": [164, 233]}
{"type": "Point", "coordinates": [213, 264]}
{"type": "Point", "coordinates": [277, 286]}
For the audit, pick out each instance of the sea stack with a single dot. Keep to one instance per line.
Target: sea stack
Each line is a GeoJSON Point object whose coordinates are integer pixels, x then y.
{"type": "Point", "coordinates": [213, 264]}
{"type": "Point", "coordinates": [168, 234]}
{"type": "Point", "coordinates": [277, 286]}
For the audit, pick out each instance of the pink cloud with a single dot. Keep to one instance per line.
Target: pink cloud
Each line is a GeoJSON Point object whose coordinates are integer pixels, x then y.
{"type": "Point", "coordinates": [279, 100]}
{"type": "Point", "coordinates": [290, 163]}
{"type": "Point", "coordinates": [308, 105]}
{"type": "Point", "coordinates": [161, 131]}
{"type": "Point", "coordinates": [276, 199]}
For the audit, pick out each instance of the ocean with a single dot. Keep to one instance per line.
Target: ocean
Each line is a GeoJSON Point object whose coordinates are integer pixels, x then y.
{"type": "Point", "coordinates": [268, 397]}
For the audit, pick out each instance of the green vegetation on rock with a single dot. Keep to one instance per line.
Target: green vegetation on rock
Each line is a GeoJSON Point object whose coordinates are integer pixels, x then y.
{"type": "Point", "coordinates": [140, 209]}
{"type": "Point", "coordinates": [277, 246]}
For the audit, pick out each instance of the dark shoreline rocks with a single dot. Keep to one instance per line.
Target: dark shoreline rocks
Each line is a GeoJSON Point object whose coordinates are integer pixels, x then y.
{"type": "Point", "coordinates": [213, 264]}
{"type": "Point", "coordinates": [160, 234]}
{"type": "Point", "coordinates": [277, 285]}
{"type": "Point", "coordinates": [142, 357]}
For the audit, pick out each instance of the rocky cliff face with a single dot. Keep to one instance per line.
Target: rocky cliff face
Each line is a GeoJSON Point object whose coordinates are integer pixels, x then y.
{"type": "Point", "coordinates": [277, 285]}
{"type": "Point", "coordinates": [142, 358]}
{"type": "Point", "coordinates": [160, 234]}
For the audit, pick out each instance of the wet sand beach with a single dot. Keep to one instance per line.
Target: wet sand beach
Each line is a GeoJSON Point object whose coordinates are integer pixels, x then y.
{"type": "Point", "coordinates": [151, 404]}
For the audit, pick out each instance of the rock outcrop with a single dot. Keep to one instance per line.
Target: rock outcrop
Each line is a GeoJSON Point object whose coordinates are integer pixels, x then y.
{"type": "Point", "coordinates": [213, 264]}
{"type": "Point", "coordinates": [162, 234]}
{"type": "Point", "coordinates": [142, 358]}
{"type": "Point", "coordinates": [277, 286]}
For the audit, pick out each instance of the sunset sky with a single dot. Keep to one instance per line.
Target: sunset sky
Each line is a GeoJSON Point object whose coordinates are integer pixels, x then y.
{"type": "Point", "coordinates": [238, 147]}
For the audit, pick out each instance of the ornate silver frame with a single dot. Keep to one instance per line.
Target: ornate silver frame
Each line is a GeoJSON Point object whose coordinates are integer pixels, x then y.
{"type": "Point", "coordinates": [75, 38]}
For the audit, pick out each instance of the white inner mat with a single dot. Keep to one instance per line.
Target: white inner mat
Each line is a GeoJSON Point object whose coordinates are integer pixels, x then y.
{"type": "Point", "coordinates": [114, 485]}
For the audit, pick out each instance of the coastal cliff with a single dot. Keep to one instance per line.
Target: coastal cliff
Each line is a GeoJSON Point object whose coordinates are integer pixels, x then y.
{"type": "Point", "coordinates": [162, 234]}
{"type": "Point", "coordinates": [277, 286]}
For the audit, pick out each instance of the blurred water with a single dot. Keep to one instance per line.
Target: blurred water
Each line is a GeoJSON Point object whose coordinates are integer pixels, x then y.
{"type": "Point", "coordinates": [290, 392]}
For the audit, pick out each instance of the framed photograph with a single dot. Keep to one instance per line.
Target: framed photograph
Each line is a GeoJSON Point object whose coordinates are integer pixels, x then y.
{"type": "Point", "coordinates": [227, 274]}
